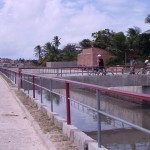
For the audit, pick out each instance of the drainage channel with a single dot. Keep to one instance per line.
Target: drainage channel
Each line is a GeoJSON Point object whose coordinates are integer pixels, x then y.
{"type": "Point", "coordinates": [115, 134]}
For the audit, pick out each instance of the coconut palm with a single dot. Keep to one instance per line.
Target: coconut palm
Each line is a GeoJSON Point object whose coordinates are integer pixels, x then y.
{"type": "Point", "coordinates": [133, 38]}
{"type": "Point", "coordinates": [38, 52]}
{"type": "Point", "coordinates": [50, 52]}
{"type": "Point", "coordinates": [133, 32]}
{"type": "Point", "coordinates": [56, 41]}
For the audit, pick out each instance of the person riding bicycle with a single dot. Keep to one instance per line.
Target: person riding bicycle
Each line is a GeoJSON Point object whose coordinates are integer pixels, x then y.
{"type": "Point", "coordinates": [101, 68]}
{"type": "Point", "coordinates": [146, 66]}
{"type": "Point", "coordinates": [133, 64]}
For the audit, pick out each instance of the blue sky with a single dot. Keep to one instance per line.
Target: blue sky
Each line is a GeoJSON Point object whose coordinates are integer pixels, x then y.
{"type": "Point", "coordinates": [25, 24]}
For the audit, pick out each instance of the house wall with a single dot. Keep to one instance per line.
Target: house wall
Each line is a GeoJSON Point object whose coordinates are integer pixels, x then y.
{"type": "Point", "coordinates": [88, 57]}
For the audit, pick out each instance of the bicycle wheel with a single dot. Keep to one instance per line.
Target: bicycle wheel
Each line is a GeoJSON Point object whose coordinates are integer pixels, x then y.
{"type": "Point", "coordinates": [109, 73]}
{"type": "Point", "coordinates": [147, 72]}
{"type": "Point", "coordinates": [141, 71]}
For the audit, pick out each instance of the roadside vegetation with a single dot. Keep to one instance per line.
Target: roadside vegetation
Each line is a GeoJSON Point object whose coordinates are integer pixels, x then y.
{"type": "Point", "coordinates": [133, 43]}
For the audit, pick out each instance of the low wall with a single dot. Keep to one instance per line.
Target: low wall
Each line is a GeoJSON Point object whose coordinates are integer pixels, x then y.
{"type": "Point", "coordinates": [113, 80]}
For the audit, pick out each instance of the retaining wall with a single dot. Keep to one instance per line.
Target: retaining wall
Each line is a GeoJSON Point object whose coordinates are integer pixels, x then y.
{"type": "Point", "coordinates": [113, 80]}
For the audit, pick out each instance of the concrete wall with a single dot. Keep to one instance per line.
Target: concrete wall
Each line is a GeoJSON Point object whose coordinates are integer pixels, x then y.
{"type": "Point", "coordinates": [109, 105]}
{"type": "Point", "coordinates": [61, 64]}
{"type": "Point", "coordinates": [114, 80]}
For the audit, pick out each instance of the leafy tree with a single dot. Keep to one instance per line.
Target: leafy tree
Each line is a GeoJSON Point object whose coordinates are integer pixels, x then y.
{"type": "Point", "coordinates": [69, 53]}
{"type": "Point", "coordinates": [69, 47]}
{"type": "Point", "coordinates": [21, 60]}
{"type": "Point", "coordinates": [102, 39]}
{"type": "Point", "coordinates": [144, 45]}
{"type": "Point", "coordinates": [85, 43]}
{"type": "Point", "coordinates": [112, 60]}
{"type": "Point", "coordinates": [118, 44]}
{"type": "Point", "coordinates": [35, 62]}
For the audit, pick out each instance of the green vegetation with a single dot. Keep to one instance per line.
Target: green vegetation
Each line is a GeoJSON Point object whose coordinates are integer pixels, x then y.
{"type": "Point", "coordinates": [51, 52]}
{"type": "Point", "coordinates": [134, 43]}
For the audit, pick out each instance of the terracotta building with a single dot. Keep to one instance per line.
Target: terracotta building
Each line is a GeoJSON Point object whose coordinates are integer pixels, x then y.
{"type": "Point", "coordinates": [88, 57]}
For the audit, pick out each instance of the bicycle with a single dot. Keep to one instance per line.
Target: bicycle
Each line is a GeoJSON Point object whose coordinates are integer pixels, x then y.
{"type": "Point", "coordinates": [103, 72]}
{"type": "Point", "coordinates": [144, 71]}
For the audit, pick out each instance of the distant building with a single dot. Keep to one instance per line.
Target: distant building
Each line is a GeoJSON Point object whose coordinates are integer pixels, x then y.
{"type": "Point", "coordinates": [5, 62]}
{"type": "Point", "coordinates": [88, 57]}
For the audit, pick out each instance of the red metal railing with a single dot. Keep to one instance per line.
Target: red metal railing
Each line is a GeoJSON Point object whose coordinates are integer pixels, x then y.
{"type": "Point", "coordinates": [13, 75]}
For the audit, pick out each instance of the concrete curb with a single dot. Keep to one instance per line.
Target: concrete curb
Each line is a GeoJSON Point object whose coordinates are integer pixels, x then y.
{"type": "Point", "coordinates": [81, 140]}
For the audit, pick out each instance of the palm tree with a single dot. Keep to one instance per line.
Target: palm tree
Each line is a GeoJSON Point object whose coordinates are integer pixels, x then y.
{"type": "Point", "coordinates": [50, 52]}
{"type": "Point", "coordinates": [38, 52]}
{"type": "Point", "coordinates": [56, 41]}
{"type": "Point", "coordinates": [132, 37]}
{"type": "Point", "coordinates": [133, 32]}
{"type": "Point", "coordinates": [147, 19]}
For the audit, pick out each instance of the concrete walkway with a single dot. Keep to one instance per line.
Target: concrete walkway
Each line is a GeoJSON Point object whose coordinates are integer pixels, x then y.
{"type": "Point", "coordinates": [16, 130]}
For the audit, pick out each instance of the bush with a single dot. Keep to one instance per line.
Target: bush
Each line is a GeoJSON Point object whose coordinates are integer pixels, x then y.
{"type": "Point", "coordinates": [112, 60]}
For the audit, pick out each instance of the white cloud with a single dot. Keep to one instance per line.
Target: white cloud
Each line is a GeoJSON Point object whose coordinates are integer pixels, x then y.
{"type": "Point", "coordinates": [27, 23]}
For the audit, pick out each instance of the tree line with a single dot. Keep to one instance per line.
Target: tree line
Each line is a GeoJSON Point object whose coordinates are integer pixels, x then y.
{"type": "Point", "coordinates": [134, 43]}
{"type": "Point", "coordinates": [51, 52]}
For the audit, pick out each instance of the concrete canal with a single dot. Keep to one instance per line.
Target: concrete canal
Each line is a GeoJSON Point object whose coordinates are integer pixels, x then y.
{"type": "Point", "coordinates": [115, 135]}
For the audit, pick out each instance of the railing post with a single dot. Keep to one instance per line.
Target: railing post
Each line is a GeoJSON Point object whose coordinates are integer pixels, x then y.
{"type": "Point", "coordinates": [28, 84]}
{"type": "Point", "coordinates": [33, 86]}
{"type": "Point", "coordinates": [98, 117]}
{"type": "Point", "coordinates": [41, 90]}
{"type": "Point", "coordinates": [61, 72]}
{"type": "Point", "coordinates": [68, 103]}
{"type": "Point", "coordinates": [21, 80]}
{"type": "Point", "coordinates": [15, 77]}
{"type": "Point", "coordinates": [10, 76]}
{"type": "Point", "coordinates": [57, 71]}
{"type": "Point", "coordinates": [51, 95]}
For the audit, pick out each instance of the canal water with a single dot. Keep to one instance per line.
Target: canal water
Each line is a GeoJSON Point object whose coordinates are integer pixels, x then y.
{"type": "Point", "coordinates": [115, 135]}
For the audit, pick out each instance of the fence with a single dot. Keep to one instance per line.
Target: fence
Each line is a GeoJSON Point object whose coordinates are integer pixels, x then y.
{"type": "Point", "coordinates": [78, 71]}
{"type": "Point", "coordinates": [33, 81]}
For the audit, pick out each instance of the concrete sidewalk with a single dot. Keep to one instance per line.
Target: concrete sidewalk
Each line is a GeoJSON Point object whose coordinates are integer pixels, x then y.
{"type": "Point", "coordinates": [16, 130]}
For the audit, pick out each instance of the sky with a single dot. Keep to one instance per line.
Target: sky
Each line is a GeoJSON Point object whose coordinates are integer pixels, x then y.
{"type": "Point", "coordinates": [24, 24]}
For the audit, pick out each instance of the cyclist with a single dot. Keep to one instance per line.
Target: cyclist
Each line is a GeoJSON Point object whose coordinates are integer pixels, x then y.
{"type": "Point", "coordinates": [146, 66]}
{"type": "Point", "coordinates": [133, 64]}
{"type": "Point", "coordinates": [101, 68]}
{"type": "Point", "coordinates": [147, 62]}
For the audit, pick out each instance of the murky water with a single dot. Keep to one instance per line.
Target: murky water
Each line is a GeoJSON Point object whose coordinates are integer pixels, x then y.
{"type": "Point", "coordinates": [115, 135]}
